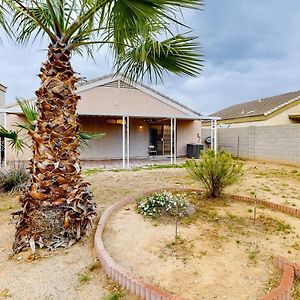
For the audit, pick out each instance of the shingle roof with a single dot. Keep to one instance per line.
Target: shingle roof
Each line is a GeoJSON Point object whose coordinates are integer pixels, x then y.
{"type": "Point", "coordinates": [259, 107]}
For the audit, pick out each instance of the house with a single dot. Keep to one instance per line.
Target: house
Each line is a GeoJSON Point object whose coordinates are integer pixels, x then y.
{"type": "Point", "coordinates": [132, 117]}
{"type": "Point", "coordinates": [277, 110]}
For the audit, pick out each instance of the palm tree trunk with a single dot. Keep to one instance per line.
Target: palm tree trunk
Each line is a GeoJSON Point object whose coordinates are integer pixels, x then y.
{"type": "Point", "coordinates": [58, 207]}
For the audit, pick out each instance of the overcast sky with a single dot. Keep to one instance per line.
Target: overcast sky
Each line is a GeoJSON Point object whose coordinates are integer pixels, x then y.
{"type": "Point", "coordinates": [251, 51]}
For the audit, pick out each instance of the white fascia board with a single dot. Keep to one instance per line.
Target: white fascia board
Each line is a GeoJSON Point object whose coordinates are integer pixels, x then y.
{"type": "Point", "coordinates": [107, 114]}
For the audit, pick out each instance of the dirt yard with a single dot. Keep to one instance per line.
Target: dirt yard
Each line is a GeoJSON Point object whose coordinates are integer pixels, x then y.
{"type": "Point", "coordinates": [223, 255]}
{"type": "Point", "coordinates": [73, 273]}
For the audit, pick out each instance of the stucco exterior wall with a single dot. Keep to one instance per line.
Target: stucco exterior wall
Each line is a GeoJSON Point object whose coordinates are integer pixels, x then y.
{"type": "Point", "coordinates": [187, 132]}
{"type": "Point", "coordinates": [268, 143]}
{"type": "Point", "coordinates": [110, 145]}
{"type": "Point", "coordinates": [123, 101]}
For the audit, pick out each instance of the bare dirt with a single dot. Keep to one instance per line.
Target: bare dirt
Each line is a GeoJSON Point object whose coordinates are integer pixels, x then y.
{"type": "Point", "coordinates": [73, 273]}
{"type": "Point", "coordinates": [223, 256]}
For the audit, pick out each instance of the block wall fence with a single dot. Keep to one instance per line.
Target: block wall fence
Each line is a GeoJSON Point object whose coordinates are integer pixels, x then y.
{"type": "Point", "coordinates": [268, 143]}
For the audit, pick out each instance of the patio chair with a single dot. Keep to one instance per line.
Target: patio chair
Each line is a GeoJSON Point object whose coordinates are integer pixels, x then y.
{"type": "Point", "coordinates": [152, 150]}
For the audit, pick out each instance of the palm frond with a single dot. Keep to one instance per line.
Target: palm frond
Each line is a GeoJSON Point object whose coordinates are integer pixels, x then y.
{"type": "Point", "coordinates": [14, 140]}
{"type": "Point", "coordinates": [3, 20]}
{"type": "Point", "coordinates": [30, 19]}
{"type": "Point", "coordinates": [178, 54]}
{"type": "Point", "coordinates": [25, 126]}
{"type": "Point", "coordinates": [84, 137]}
{"type": "Point", "coordinates": [30, 113]}
{"type": "Point", "coordinates": [133, 29]}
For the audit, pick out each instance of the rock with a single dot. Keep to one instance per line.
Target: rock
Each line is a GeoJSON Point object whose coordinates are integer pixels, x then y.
{"type": "Point", "coordinates": [190, 209]}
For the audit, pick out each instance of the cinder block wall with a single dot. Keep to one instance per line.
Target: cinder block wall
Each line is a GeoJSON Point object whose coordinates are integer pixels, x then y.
{"type": "Point", "coordinates": [273, 143]}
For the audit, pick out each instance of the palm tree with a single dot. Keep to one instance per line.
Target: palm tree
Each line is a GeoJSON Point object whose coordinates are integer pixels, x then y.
{"type": "Point", "coordinates": [142, 36]}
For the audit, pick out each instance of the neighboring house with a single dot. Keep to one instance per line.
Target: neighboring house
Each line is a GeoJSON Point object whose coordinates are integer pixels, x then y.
{"type": "Point", "coordinates": [277, 110]}
{"type": "Point", "coordinates": [108, 104]}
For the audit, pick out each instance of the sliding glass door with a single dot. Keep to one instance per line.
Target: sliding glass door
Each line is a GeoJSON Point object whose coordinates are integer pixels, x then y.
{"type": "Point", "coordinates": [160, 138]}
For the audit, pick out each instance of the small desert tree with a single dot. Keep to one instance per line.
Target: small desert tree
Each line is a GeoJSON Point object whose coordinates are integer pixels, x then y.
{"type": "Point", "coordinates": [216, 171]}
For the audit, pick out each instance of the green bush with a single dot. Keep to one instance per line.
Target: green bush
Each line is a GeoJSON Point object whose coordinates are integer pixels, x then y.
{"type": "Point", "coordinates": [165, 203]}
{"type": "Point", "coordinates": [13, 179]}
{"type": "Point", "coordinates": [114, 296]}
{"type": "Point", "coordinates": [215, 171]}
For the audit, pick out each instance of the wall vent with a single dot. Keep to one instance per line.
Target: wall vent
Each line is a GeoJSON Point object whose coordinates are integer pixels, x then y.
{"type": "Point", "coordinates": [118, 84]}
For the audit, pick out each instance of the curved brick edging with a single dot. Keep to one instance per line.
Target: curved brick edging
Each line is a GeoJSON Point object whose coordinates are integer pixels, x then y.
{"type": "Point", "coordinates": [117, 273]}
{"type": "Point", "coordinates": [290, 271]}
{"type": "Point", "coordinates": [149, 291]}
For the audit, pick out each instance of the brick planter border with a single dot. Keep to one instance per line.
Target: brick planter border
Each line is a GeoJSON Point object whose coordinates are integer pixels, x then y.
{"type": "Point", "coordinates": [149, 291]}
{"type": "Point", "coordinates": [290, 271]}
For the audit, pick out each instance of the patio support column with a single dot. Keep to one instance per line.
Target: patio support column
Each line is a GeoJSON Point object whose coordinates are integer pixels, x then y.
{"type": "Point", "coordinates": [123, 141]}
{"type": "Point", "coordinates": [215, 135]}
{"type": "Point", "coordinates": [128, 132]}
{"type": "Point", "coordinates": [171, 141]}
{"type": "Point", "coordinates": [5, 142]}
{"type": "Point", "coordinates": [175, 140]}
{"type": "Point", "coordinates": [212, 134]}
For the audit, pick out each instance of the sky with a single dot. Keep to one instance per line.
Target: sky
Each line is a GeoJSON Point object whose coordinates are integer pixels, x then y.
{"type": "Point", "coordinates": [251, 51]}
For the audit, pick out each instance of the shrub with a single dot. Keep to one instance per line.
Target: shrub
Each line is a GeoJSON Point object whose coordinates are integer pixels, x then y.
{"type": "Point", "coordinates": [13, 179]}
{"type": "Point", "coordinates": [114, 296]}
{"type": "Point", "coordinates": [216, 171]}
{"type": "Point", "coordinates": [158, 204]}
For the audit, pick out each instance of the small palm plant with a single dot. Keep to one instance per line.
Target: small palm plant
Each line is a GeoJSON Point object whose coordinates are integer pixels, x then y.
{"type": "Point", "coordinates": [16, 142]}
{"type": "Point", "coordinates": [58, 207]}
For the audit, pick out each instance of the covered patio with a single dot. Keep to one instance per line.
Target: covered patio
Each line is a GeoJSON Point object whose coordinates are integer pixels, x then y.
{"type": "Point", "coordinates": [131, 141]}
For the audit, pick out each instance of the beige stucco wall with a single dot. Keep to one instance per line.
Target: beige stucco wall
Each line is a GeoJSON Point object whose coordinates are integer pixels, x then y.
{"type": "Point", "coordinates": [110, 145]}
{"type": "Point", "coordinates": [124, 101]}
{"type": "Point", "coordinates": [187, 132]}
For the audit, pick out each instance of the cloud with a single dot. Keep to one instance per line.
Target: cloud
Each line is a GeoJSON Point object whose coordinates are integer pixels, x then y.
{"type": "Point", "coordinates": [250, 47]}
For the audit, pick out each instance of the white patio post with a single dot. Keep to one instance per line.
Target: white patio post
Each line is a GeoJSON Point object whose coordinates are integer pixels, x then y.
{"type": "Point", "coordinates": [171, 141]}
{"type": "Point", "coordinates": [128, 131]}
{"type": "Point", "coordinates": [212, 134]}
{"type": "Point", "coordinates": [5, 142]}
{"type": "Point", "coordinates": [215, 136]}
{"type": "Point", "coordinates": [175, 140]}
{"type": "Point", "coordinates": [123, 141]}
